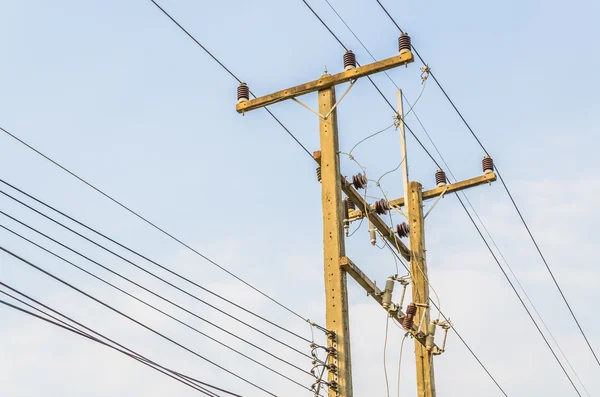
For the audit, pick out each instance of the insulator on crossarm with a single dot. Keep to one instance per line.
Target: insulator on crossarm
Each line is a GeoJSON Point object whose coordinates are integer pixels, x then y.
{"type": "Point", "coordinates": [488, 165]}
{"type": "Point", "coordinates": [359, 181]}
{"type": "Point", "coordinates": [349, 60]}
{"type": "Point", "coordinates": [403, 230]}
{"type": "Point", "coordinates": [382, 206]}
{"type": "Point", "coordinates": [243, 92]}
{"type": "Point", "coordinates": [408, 321]}
{"type": "Point", "coordinates": [404, 44]}
{"type": "Point", "coordinates": [440, 178]}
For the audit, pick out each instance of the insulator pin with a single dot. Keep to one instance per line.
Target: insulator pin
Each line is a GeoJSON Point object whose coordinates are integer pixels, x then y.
{"type": "Point", "coordinates": [319, 173]}
{"type": "Point", "coordinates": [382, 206]}
{"type": "Point", "coordinates": [404, 44]}
{"type": "Point", "coordinates": [488, 165]}
{"type": "Point", "coordinates": [386, 299]}
{"type": "Point", "coordinates": [408, 321]}
{"type": "Point", "coordinates": [359, 181]}
{"type": "Point", "coordinates": [440, 178]}
{"type": "Point", "coordinates": [403, 230]}
{"type": "Point", "coordinates": [243, 92]}
{"type": "Point", "coordinates": [349, 60]}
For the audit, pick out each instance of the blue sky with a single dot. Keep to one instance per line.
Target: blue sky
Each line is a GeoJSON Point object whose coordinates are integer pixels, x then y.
{"type": "Point", "coordinates": [117, 93]}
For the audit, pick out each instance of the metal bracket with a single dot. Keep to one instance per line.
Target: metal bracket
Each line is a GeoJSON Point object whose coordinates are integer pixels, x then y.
{"type": "Point", "coordinates": [435, 202]}
{"type": "Point", "coordinates": [324, 117]}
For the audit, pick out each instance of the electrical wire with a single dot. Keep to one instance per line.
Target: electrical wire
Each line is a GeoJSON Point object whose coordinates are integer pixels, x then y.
{"type": "Point", "coordinates": [136, 266]}
{"type": "Point", "coordinates": [400, 360]}
{"type": "Point", "coordinates": [64, 325]}
{"type": "Point", "coordinates": [387, 383]}
{"type": "Point", "coordinates": [508, 193]}
{"type": "Point", "coordinates": [369, 137]}
{"type": "Point", "coordinates": [168, 315]}
{"type": "Point", "coordinates": [31, 264]}
{"type": "Point", "coordinates": [150, 223]}
{"type": "Point", "coordinates": [112, 240]}
{"type": "Point", "coordinates": [234, 76]}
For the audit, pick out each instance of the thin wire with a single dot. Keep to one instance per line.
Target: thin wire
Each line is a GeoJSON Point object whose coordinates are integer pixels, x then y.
{"type": "Point", "coordinates": [400, 360]}
{"type": "Point", "coordinates": [387, 384]}
{"type": "Point", "coordinates": [206, 392]}
{"type": "Point", "coordinates": [508, 193]}
{"type": "Point", "coordinates": [87, 335]}
{"type": "Point", "coordinates": [153, 275]}
{"type": "Point", "coordinates": [369, 137]}
{"type": "Point", "coordinates": [108, 339]}
{"type": "Point", "coordinates": [166, 314]}
{"type": "Point", "coordinates": [235, 77]}
{"type": "Point", "coordinates": [151, 224]}
{"type": "Point", "coordinates": [138, 254]}
{"type": "Point", "coordinates": [133, 320]}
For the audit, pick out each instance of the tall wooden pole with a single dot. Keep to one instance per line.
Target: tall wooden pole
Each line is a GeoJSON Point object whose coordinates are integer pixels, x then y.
{"type": "Point", "coordinates": [336, 295]}
{"type": "Point", "coordinates": [420, 287]}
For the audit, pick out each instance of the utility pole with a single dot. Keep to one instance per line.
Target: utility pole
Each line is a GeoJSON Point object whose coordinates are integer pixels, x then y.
{"type": "Point", "coordinates": [336, 214]}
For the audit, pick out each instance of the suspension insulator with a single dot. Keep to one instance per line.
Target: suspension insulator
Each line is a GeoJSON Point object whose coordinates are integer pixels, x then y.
{"type": "Point", "coordinates": [403, 230]}
{"type": "Point", "coordinates": [350, 204]}
{"type": "Point", "coordinates": [382, 206]}
{"type": "Point", "coordinates": [349, 60]}
{"type": "Point", "coordinates": [404, 43]}
{"type": "Point", "coordinates": [243, 92]}
{"type": "Point", "coordinates": [488, 165]}
{"type": "Point", "coordinates": [319, 173]}
{"type": "Point", "coordinates": [408, 321]}
{"type": "Point", "coordinates": [440, 178]}
{"type": "Point", "coordinates": [360, 181]}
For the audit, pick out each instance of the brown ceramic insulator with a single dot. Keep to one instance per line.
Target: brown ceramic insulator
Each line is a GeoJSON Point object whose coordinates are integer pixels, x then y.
{"type": "Point", "coordinates": [350, 204]}
{"type": "Point", "coordinates": [488, 164]}
{"type": "Point", "coordinates": [349, 60]}
{"type": "Point", "coordinates": [243, 92]}
{"type": "Point", "coordinates": [440, 178]}
{"type": "Point", "coordinates": [408, 321]}
{"type": "Point", "coordinates": [359, 181]}
{"type": "Point", "coordinates": [319, 173]}
{"type": "Point", "coordinates": [403, 230]}
{"type": "Point", "coordinates": [404, 43]}
{"type": "Point", "coordinates": [382, 206]}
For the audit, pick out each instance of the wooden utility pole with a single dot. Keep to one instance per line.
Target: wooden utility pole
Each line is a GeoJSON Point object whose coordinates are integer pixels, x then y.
{"type": "Point", "coordinates": [420, 287]}
{"type": "Point", "coordinates": [336, 265]}
{"type": "Point", "coordinates": [336, 295]}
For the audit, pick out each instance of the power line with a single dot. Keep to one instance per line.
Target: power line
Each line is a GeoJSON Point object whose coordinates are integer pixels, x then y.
{"type": "Point", "coordinates": [112, 240]}
{"type": "Point", "coordinates": [148, 272]}
{"type": "Point", "coordinates": [171, 236]}
{"type": "Point", "coordinates": [507, 191]}
{"type": "Point", "coordinates": [230, 73]}
{"type": "Point", "coordinates": [31, 264]}
{"type": "Point", "coordinates": [64, 325]}
{"type": "Point", "coordinates": [168, 315]}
